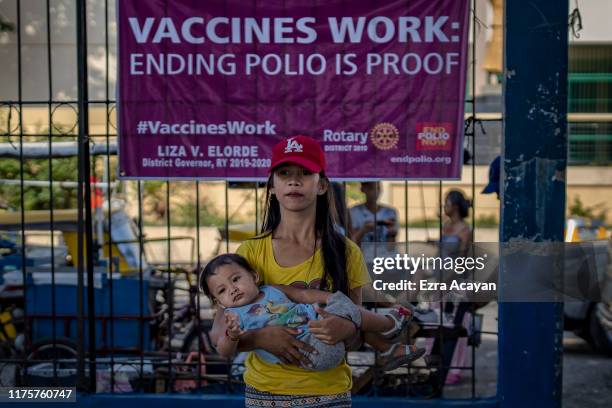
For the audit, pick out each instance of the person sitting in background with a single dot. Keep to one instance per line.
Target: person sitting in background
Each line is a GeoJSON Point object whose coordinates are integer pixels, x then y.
{"type": "Point", "coordinates": [455, 242]}
{"type": "Point", "coordinates": [456, 230]}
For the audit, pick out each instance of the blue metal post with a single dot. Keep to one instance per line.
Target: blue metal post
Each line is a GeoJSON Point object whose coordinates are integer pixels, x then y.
{"type": "Point", "coordinates": [533, 192]}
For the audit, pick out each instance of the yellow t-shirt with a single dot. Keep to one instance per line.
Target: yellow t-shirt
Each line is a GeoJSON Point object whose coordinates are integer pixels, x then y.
{"type": "Point", "coordinates": [290, 379]}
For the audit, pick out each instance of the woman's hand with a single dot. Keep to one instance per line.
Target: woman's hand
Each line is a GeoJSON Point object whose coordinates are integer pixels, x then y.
{"type": "Point", "coordinates": [367, 227]}
{"type": "Point", "coordinates": [331, 329]}
{"type": "Point", "coordinates": [281, 342]}
{"type": "Point", "coordinates": [391, 230]}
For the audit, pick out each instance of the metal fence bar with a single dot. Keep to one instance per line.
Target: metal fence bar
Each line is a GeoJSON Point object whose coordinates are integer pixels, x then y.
{"type": "Point", "coordinates": [51, 196]}
{"type": "Point", "coordinates": [85, 241]}
{"type": "Point", "coordinates": [198, 324]}
{"type": "Point", "coordinates": [107, 175]}
{"type": "Point", "coordinates": [473, 136]}
{"type": "Point", "coordinates": [141, 321]}
{"type": "Point", "coordinates": [21, 179]}
{"type": "Point", "coordinates": [170, 291]}
{"type": "Point", "coordinates": [86, 251]}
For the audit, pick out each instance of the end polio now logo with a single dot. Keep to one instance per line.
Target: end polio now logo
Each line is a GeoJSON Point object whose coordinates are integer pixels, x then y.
{"type": "Point", "coordinates": [434, 136]}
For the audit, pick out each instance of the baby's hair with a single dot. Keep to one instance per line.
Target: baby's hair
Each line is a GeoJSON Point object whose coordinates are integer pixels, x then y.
{"type": "Point", "coordinates": [211, 268]}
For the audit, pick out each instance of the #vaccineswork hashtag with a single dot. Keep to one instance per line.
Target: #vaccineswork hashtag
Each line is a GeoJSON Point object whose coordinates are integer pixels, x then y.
{"type": "Point", "coordinates": [230, 127]}
{"type": "Point", "coordinates": [142, 127]}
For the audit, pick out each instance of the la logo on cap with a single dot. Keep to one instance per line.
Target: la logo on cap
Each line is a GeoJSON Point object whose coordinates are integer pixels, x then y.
{"type": "Point", "coordinates": [293, 146]}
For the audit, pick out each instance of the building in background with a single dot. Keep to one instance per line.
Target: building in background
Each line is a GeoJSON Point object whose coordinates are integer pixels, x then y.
{"type": "Point", "coordinates": [590, 117]}
{"type": "Point", "coordinates": [590, 79]}
{"type": "Point", "coordinates": [590, 99]}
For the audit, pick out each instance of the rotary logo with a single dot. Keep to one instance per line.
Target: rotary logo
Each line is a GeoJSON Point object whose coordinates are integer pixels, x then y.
{"type": "Point", "coordinates": [434, 136]}
{"type": "Point", "coordinates": [384, 136]}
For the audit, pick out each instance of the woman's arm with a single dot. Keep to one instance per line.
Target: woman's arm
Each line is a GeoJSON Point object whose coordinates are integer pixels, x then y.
{"type": "Point", "coordinates": [333, 329]}
{"type": "Point", "coordinates": [356, 295]}
{"type": "Point", "coordinates": [227, 347]}
{"type": "Point", "coordinates": [279, 341]}
{"type": "Point", "coordinates": [306, 296]}
{"type": "Point", "coordinates": [248, 341]}
{"type": "Point", "coordinates": [218, 328]}
{"type": "Point", "coordinates": [465, 237]}
{"type": "Point", "coordinates": [217, 332]}
{"type": "Point", "coordinates": [355, 342]}
{"type": "Point", "coordinates": [228, 343]}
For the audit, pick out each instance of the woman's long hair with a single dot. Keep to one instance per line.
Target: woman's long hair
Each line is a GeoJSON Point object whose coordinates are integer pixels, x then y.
{"type": "Point", "coordinates": [333, 244]}
{"type": "Point", "coordinates": [457, 198]}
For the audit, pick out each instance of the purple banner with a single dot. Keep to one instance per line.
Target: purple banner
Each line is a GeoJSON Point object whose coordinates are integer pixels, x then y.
{"type": "Point", "coordinates": [206, 88]}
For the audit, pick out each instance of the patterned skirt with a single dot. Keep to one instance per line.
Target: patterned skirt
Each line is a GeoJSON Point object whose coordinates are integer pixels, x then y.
{"type": "Point", "coordinates": [254, 398]}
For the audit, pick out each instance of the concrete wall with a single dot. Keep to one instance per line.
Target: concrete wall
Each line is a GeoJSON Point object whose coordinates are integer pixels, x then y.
{"type": "Point", "coordinates": [34, 68]}
{"type": "Point", "coordinates": [595, 21]}
{"type": "Point", "coordinates": [593, 185]}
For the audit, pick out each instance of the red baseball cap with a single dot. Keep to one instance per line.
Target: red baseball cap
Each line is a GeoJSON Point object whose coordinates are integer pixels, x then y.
{"type": "Point", "coordinates": [300, 150]}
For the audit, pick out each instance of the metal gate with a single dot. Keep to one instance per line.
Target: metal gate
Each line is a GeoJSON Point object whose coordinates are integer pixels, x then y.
{"type": "Point", "coordinates": [89, 257]}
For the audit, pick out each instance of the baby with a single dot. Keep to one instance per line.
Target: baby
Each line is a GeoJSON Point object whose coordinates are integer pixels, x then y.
{"type": "Point", "coordinates": [230, 282]}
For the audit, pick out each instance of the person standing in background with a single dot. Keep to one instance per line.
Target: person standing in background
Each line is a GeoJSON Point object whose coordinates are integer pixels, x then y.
{"type": "Point", "coordinates": [371, 221]}
{"type": "Point", "coordinates": [494, 177]}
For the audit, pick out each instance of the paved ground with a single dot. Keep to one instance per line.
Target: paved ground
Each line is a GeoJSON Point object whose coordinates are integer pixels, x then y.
{"type": "Point", "coordinates": [209, 240]}
{"type": "Point", "coordinates": [486, 362]}
{"type": "Point", "coordinates": [587, 376]}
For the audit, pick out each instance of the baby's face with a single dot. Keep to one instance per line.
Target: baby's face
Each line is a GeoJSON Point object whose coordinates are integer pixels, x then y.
{"type": "Point", "coordinates": [233, 286]}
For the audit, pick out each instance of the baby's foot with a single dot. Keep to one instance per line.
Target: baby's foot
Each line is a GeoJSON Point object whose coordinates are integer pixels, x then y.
{"type": "Point", "coordinates": [401, 317]}
{"type": "Point", "coordinates": [399, 355]}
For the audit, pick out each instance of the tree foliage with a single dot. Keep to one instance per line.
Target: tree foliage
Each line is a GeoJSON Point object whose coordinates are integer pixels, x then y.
{"type": "Point", "coordinates": [596, 212]}
{"type": "Point", "coordinates": [34, 197]}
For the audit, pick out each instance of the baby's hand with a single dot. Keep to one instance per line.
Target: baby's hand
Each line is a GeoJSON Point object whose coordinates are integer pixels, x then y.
{"type": "Point", "coordinates": [232, 320]}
